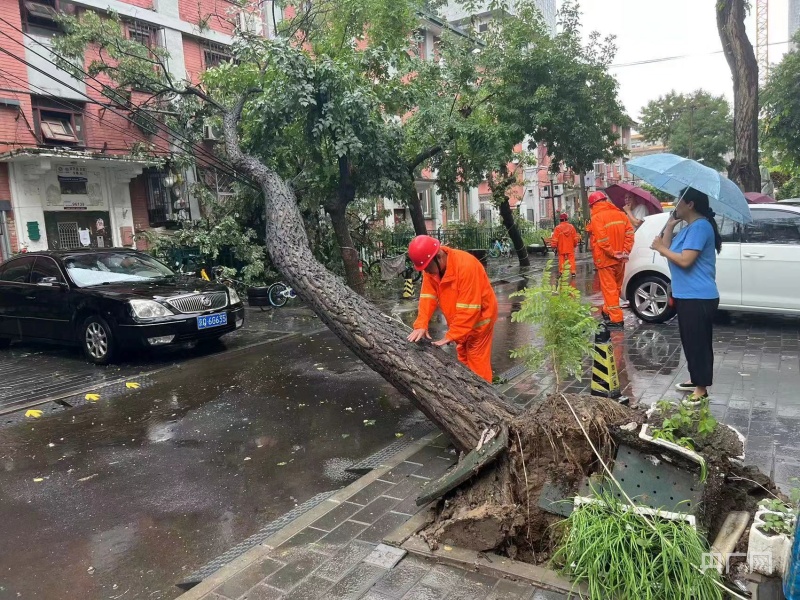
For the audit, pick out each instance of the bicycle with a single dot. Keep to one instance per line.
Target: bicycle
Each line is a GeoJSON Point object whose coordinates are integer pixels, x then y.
{"type": "Point", "coordinates": [279, 294]}
{"type": "Point", "coordinates": [499, 249]}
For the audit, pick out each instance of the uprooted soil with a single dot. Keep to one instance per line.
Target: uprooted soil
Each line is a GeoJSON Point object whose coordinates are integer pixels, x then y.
{"type": "Point", "coordinates": [498, 509]}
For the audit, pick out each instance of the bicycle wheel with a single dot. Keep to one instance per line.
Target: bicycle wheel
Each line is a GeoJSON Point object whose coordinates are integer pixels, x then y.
{"type": "Point", "coordinates": [277, 294]}
{"type": "Point", "coordinates": [494, 253]}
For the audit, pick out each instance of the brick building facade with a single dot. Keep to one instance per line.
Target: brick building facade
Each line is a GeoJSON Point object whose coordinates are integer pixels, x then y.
{"type": "Point", "coordinates": [68, 165]}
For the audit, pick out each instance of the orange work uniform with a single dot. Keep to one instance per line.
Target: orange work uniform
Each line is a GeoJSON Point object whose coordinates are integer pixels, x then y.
{"type": "Point", "coordinates": [610, 232]}
{"type": "Point", "coordinates": [467, 301]}
{"type": "Point", "coordinates": [565, 239]}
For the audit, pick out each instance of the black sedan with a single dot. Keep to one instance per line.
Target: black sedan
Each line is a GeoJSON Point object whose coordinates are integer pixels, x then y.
{"type": "Point", "coordinates": [110, 300]}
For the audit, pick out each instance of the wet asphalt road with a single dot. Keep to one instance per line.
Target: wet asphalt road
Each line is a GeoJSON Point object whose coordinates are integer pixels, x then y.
{"type": "Point", "coordinates": [125, 497]}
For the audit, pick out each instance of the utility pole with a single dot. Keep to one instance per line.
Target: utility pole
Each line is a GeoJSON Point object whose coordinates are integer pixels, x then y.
{"type": "Point", "coordinates": [692, 107]}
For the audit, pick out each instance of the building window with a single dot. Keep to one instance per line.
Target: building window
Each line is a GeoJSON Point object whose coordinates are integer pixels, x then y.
{"type": "Point", "coordinates": [215, 54]}
{"type": "Point", "coordinates": [145, 34]}
{"type": "Point", "coordinates": [220, 184]}
{"type": "Point", "coordinates": [426, 201]}
{"type": "Point", "coordinates": [40, 14]}
{"type": "Point", "coordinates": [159, 205]}
{"type": "Point", "coordinates": [58, 123]}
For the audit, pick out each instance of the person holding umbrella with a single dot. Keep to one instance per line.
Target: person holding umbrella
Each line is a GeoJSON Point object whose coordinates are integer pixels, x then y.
{"type": "Point", "coordinates": [691, 253]}
{"type": "Point", "coordinates": [635, 209]}
{"type": "Point", "coordinates": [693, 266]}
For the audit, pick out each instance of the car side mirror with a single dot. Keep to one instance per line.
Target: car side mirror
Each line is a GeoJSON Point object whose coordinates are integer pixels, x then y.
{"type": "Point", "coordinates": [51, 282]}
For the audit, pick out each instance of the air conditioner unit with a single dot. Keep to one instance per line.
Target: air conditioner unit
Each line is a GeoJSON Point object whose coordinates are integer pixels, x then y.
{"type": "Point", "coordinates": [212, 132]}
{"type": "Point", "coordinates": [250, 22]}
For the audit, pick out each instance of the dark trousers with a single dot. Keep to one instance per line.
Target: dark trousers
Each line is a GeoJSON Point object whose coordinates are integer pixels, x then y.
{"type": "Point", "coordinates": [696, 324]}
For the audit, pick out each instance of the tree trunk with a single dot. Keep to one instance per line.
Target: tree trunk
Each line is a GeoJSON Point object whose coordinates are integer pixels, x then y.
{"type": "Point", "coordinates": [586, 213]}
{"type": "Point", "coordinates": [744, 68]}
{"type": "Point", "coordinates": [414, 205]}
{"type": "Point", "coordinates": [350, 256]}
{"type": "Point", "coordinates": [415, 208]}
{"type": "Point", "coordinates": [514, 234]}
{"type": "Point", "coordinates": [455, 399]}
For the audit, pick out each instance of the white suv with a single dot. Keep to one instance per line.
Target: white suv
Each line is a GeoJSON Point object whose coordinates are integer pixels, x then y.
{"type": "Point", "coordinates": [758, 269]}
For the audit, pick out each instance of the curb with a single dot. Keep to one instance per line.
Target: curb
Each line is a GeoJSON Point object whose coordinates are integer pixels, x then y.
{"type": "Point", "coordinates": [322, 507]}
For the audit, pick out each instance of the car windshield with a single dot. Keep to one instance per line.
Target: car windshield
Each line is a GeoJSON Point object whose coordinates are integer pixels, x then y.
{"type": "Point", "coordinates": [113, 267]}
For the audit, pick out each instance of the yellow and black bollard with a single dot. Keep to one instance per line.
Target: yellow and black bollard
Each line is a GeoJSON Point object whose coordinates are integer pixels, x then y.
{"type": "Point", "coordinates": [408, 290]}
{"type": "Point", "coordinates": [605, 379]}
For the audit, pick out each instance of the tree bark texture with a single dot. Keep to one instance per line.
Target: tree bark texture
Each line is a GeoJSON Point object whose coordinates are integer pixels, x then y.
{"type": "Point", "coordinates": [350, 256]}
{"type": "Point", "coordinates": [744, 69]}
{"type": "Point", "coordinates": [454, 398]}
{"type": "Point", "coordinates": [513, 233]}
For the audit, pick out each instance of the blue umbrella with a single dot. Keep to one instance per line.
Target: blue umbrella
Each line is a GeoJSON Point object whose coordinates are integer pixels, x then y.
{"type": "Point", "coordinates": [670, 173]}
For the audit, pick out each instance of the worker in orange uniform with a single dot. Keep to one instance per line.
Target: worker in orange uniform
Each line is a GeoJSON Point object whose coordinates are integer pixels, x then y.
{"type": "Point", "coordinates": [565, 240]}
{"type": "Point", "coordinates": [456, 282]}
{"type": "Point", "coordinates": [612, 240]}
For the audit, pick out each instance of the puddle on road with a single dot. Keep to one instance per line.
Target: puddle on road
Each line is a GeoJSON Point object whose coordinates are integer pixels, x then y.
{"type": "Point", "coordinates": [140, 491]}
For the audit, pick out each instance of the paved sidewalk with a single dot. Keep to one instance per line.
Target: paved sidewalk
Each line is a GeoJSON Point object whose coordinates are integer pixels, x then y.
{"type": "Point", "coordinates": [328, 553]}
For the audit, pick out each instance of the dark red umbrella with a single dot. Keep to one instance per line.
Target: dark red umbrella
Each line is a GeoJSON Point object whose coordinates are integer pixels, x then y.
{"type": "Point", "coordinates": [758, 198]}
{"type": "Point", "coordinates": [618, 191]}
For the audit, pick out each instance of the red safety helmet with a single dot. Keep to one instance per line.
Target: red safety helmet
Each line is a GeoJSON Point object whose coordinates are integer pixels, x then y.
{"type": "Point", "coordinates": [596, 197]}
{"type": "Point", "coordinates": [564, 217]}
{"type": "Point", "coordinates": [422, 250]}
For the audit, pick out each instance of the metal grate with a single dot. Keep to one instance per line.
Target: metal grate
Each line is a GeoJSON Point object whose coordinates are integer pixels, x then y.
{"type": "Point", "coordinates": [199, 302]}
{"type": "Point", "coordinates": [68, 238]}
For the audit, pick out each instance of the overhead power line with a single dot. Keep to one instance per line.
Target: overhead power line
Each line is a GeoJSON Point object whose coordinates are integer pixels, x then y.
{"type": "Point", "coordinates": [676, 57]}
{"type": "Point", "coordinates": [178, 139]}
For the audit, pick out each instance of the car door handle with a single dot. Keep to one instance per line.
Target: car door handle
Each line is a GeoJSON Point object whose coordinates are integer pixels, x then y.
{"type": "Point", "coordinates": [754, 256]}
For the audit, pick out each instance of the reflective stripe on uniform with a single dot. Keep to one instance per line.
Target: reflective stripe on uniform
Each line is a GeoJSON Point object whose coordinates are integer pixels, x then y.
{"type": "Point", "coordinates": [614, 223]}
{"type": "Point", "coordinates": [469, 306]}
{"type": "Point", "coordinates": [481, 323]}
{"type": "Point", "coordinates": [431, 296]}
{"type": "Point", "coordinates": [603, 240]}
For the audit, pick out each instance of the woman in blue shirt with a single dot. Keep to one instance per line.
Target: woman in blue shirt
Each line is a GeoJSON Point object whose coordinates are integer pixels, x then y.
{"type": "Point", "coordinates": [692, 255]}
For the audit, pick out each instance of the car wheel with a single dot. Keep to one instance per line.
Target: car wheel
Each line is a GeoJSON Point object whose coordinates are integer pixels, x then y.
{"type": "Point", "coordinates": [97, 340]}
{"type": "Point", "coordinates": [649, 299]}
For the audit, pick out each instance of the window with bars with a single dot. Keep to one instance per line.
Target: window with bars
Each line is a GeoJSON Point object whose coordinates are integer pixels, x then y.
{"type": "Point", "coordinates": [159, 205]}
{"type": "Point", "coordinates": [58, 123]}
{"type": "Point", "coordinates": [215, 54]}
{"type": "Point", "coordinates": [144, 33]}
{"type": "Point", "coordinates": [220, 184]}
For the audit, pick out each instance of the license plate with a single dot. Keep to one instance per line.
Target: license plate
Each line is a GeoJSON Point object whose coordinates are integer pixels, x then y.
{"type": "Point", "coordinates": [209, 321]}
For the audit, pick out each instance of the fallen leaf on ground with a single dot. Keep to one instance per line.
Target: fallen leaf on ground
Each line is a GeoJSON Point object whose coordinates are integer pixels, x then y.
{"type": "Point", "coordinates": [33, 413]}
{"type": "Point", "coordinates": [399, 435]}
{"type": "Point", "coordinates": [132, 385]}
{"type": "Point", "coordinates": [282, 464]}
{"type": "Point", "coordinates": [88, 477]}
{"type": "Point", "coordinates": [369, 422]}
{"type": "Point", "coordinates": [38, 479]}
{"type": "Point", "coordinates": [247, 458]}
{"type": "Point", "coordinates": [92, 397]}
{"type": "Point", "coordinates": [345, 435]}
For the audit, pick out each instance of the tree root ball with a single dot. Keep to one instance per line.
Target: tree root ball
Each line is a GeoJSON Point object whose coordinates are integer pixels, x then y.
{"type": "Point", "coordinates": [498, 509]}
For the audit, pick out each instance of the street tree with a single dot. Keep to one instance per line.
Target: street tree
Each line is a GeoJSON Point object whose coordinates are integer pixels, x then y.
{"type": "Point", "coordinates": [696, 125]}
{"type": "Point", "coordinates": [780, 123]}
{"type": "Point", "coordinates": [256, 96]}
{"type": "Point", "coordinates": [741, 58]}
{"type": "Point", "coordinates": [565, 97]}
